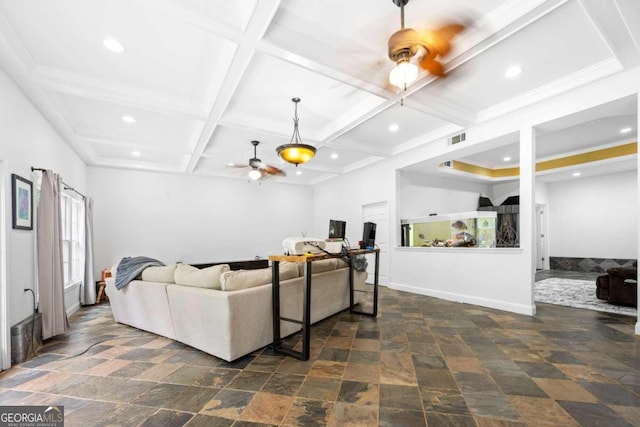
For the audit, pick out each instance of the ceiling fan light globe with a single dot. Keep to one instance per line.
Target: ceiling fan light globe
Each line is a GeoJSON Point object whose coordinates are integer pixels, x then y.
{"type": "Point", "coordinates": [403, 74]}
{"type": "Point", "coordinates": [254, 174]}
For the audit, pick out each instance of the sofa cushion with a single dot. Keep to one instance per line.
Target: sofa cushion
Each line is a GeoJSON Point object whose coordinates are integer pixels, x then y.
{"type": "Point", "coordinates": [243, 279]}
{"type": "Point", "coordinates": [319, 266]}
{"type": "Point", "coordinates": [164, 274]}
{"type": "Point", "coordinates": [189, 275]}
{"type": "Point", "coordinates": [624, 272]}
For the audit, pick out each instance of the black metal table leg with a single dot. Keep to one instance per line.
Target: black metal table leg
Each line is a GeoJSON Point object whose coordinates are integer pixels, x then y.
{"type": "Point", "coordinates": [306, 315]}
{"type": "Point", "coordinates": [374, 312]}
{"type": "Point", "coordinates": [275, 294]}
{"type": "Point", "coordinates": [375, 285]}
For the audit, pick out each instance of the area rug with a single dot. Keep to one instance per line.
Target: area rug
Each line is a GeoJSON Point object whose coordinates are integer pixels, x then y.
{"type": "Point", "coordinates": [576, 293]}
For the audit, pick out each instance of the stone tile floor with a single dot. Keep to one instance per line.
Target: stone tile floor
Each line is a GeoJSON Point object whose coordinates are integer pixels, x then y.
{"type": "Point", "coordinates": [421, 362]}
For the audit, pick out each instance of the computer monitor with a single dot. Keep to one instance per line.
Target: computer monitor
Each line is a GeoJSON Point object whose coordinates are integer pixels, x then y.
{"type": "Point", "coordinates": [369, 235]}
{"type": "Point", "coordinates": [337, 229]}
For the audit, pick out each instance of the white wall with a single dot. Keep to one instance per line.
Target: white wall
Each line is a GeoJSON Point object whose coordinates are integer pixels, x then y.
{"type": "Point", "coordinates": [422, 195]}
{"type": "Point", "coordinates": [501, 191]}
{"type": "Point", "coordinates": [496, 278]}
{"type": "Point", "coordinates": [542, 193]}
{"type": "Point", "coordinates": [594, 217]}
{"type": "Point", "coordinates": [343, 198]}
{"type": "Point", "coordinates": [27, 139]}
{"type": "Point", "coordinates": [191, 219]}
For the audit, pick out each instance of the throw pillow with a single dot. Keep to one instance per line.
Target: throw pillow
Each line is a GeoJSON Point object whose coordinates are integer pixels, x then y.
{"type": "Point", "coordinates": [189, 275]}
{"type": "Point", "coordinates": [243, 279]}
{"type": "Point", "coordinates": [159, 274]}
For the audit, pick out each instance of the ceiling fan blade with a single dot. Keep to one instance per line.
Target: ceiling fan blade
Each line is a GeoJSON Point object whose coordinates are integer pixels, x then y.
{"type": "Point", "coordinates": [439, 41]}
{"type": "Point", "coordinates": [429, 63]}
{"type": "Point", "coordinates": [240, 173]}
{"type": "Point", "coordinates": [450, 31]}
{"type": "Point", "coordinates": [237, 166]}
{"type": "Point", "coordinates": [438, 44]}
{"type": "Point", "coordinates": [272, 170]}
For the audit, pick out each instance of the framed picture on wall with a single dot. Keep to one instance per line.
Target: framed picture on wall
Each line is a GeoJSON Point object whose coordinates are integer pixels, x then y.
{"type": "Point", "coordinates": [22, 196]}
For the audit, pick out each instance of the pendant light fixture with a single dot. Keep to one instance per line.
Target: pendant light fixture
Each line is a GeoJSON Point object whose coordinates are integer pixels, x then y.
{"type": "Point", "coordinates": [295, 151]}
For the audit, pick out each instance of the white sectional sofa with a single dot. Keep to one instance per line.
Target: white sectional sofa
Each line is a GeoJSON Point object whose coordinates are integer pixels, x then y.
{"type": "Point", "coordinates": [228, 313]}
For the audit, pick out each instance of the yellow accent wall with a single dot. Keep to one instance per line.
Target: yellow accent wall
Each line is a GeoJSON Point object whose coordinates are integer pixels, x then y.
{"type": "Point", "coordinates": [562, 162]}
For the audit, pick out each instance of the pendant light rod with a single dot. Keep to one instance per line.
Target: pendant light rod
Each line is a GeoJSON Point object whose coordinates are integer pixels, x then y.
{"type": "Point", "coordinates": [295, 138]}
{"type": "Point", "coordinates": [401, 4]}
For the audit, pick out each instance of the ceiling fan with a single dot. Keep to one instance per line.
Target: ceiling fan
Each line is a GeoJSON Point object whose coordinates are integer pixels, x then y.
{"type": "Point", "coordinates": [257, 169]}
{"type": "Point", "coordinates": [405, 43]}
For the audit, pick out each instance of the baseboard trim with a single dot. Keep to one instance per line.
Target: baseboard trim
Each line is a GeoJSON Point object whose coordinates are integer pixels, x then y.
{"type": "Point", "coordinates": [528, 310]}
{"type": "Point", "coordinates": [75, 307]}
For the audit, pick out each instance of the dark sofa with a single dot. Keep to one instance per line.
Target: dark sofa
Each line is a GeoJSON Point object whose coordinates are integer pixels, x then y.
{"type": "Point", "coordinates": [619, 286]}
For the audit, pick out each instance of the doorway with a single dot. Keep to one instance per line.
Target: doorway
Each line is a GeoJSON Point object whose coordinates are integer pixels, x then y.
{"type": "Point", "coordinates": [378, 213]}
{"type": "Point", "coordinates": [5, 337]}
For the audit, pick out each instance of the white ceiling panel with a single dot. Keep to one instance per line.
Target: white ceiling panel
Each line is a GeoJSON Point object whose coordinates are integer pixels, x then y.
{"type": "Point", "coordinates": [334, 159]}
{"type": "Point", "coordinates": [541, 49]}
{"type": "Point", "coordinates": [103, 120]}
{"type": "Point", "coordinates": [269, 84]}
{"type": "Point", "coordinates": [161, 54]}
{"type": "Point", "coordinates": [378, 134]}
{"type": "Point", "coordinates": [117, 153]}
{"type": "Point", "coordinates": [232, 14]}
{"type": "Point", "coordinates": [228, 139]}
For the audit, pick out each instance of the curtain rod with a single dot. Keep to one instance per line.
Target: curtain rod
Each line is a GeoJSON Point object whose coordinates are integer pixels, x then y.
{"type": "Point", "coordinates": [66, 186]}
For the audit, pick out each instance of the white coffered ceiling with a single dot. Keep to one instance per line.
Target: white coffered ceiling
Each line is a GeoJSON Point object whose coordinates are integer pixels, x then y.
{"type": "Point", "coordinates": [202, 78]}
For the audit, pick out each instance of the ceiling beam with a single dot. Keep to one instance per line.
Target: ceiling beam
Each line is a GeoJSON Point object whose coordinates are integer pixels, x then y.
{"type": "Point", "coordinates": [260, 21]}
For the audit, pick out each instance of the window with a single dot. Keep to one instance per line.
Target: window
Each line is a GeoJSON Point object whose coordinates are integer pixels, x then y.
{"type": "Point", "coordinates": [72, 219]}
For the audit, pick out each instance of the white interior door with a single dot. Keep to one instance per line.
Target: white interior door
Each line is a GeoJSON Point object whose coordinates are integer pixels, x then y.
{"type": "Point", "coordinates": [378, 213]}
{"type": "Point", "coordinates": [542, 260]}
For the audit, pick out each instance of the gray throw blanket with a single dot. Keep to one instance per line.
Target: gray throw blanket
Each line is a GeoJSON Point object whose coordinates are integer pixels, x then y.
{"type": "Point", "coordinates": [130, 267]}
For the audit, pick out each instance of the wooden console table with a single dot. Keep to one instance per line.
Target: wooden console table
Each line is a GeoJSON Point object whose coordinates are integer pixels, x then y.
{"type": "Point", "coordinates": [306, 295]}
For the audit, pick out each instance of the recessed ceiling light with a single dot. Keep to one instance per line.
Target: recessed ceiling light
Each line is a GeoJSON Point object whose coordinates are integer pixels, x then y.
{"type": "Point", "coordinates": [506, 159]}
{"type": "Point", "coordinates": [513, 71]}
{"type": "Point", "coordinates": [298, 172]}
{"type": "Point", "coordinates": [113, 45]}
{"type": "Point", "coordinates": [394, 127]}
{"type": "Point", "coordinates": [334, 155]}
{"type": "Point", "coordinates": [128, 119]}
{"type": "Point", "coordinates": [625, 130]}
{"type": "Point", "coordinates": [136, 153]}
{"type": "Point", "coordinates": [576, 174]}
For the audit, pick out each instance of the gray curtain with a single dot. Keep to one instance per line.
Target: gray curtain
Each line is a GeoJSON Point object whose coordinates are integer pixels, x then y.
{"type": "Point", "coordinates": [50, 275]}
{"type": "Point", "coordinates": [88, 289]}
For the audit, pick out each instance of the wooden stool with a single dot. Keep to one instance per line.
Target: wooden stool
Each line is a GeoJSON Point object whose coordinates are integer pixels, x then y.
{"type": "Point", "coordinates": [101, 294]}
{"type": "Point", "coordinates": [101, 286]}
